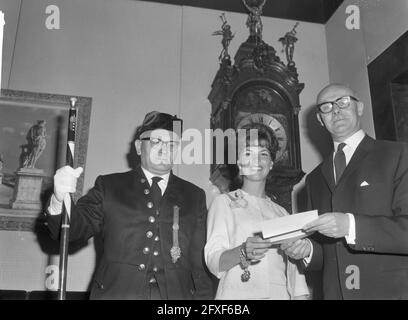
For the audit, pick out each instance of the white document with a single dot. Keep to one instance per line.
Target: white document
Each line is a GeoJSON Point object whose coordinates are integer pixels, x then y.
{"type": "Point", "coordinates": [288, 228]}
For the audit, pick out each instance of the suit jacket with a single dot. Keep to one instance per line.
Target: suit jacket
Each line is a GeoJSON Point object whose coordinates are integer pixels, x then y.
{"type": "Point", "coordinates": [374, 188]}
{"type": "Point", "coordinates": [119, 207]}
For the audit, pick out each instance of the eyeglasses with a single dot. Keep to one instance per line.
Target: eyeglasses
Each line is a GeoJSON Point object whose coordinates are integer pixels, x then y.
{"type": "Point", "coordinates": [159, 142]}
{"type": "Point", "coordinates": [342, 103]}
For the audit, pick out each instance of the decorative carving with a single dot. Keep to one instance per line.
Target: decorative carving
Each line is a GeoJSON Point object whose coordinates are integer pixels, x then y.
{"type": "Point", "coordinates": [254, 22]}
{"type": "Point", "coordinates": [227, 36]}
{"type": "Point", "coordinates": [225, 104]}
{"type": "Point", "coordinates": [296, 109]}
{"type": "Point", "coordinates": [227, 70]}
{"type": "Point", "coordinates": [263, 55]}
{"type": "Point", "coordinates": [288, 42]}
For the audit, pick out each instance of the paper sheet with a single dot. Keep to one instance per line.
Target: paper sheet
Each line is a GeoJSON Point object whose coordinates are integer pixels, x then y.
{"type": "Point", "coordinates": [288, 228]}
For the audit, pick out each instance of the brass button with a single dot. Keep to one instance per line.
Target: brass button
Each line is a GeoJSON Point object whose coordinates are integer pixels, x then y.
{"type": "Point", "coordinates": [156, 238]}
{"type": "Point", "coordinates": [155, 269]}
{"type": "Point", "coordinates": [152, 280]}
{"type": "Point", "coordinates": [143, 180]}
{"type": "Point", "coordinates": [150, 205]}
{"type": "Point", "coordinates": [155, 253]}
{"type": "Point", "coordinates": [146, 191]}
{"type": "Point", "coordinates": [142, 267]}
{"type": "Point", "coordinates": [149, 234]}
{"type": "Point", "coordinates": [146, 250]}
{"type": "Point", "coordinates": [152, 219]}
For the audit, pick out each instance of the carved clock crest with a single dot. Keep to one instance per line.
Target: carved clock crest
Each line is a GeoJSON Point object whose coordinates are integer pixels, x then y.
{"type": "Point", "coordinates": [259, 87]}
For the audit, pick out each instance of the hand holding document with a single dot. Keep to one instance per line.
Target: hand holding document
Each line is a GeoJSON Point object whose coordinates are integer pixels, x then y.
{"type": "Point", "coordinates": [288, 228]}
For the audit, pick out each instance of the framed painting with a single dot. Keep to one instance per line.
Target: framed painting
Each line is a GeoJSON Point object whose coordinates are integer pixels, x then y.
{"type": "Point", "coordinates": [33, 143]}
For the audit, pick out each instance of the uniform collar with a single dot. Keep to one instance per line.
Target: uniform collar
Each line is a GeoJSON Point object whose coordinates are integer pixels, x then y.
{"type": "Point", "coordinates": [150, 175]}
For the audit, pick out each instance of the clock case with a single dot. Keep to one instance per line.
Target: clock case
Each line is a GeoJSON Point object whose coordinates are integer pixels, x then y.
{"type": "Point", "coordinates": [258, 82]}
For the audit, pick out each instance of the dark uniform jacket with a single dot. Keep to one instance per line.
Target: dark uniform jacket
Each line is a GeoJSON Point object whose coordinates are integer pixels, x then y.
{"type": "Point", "coordinates": [373, 187]}
{"type": "Point", "coordinates": [137, 237]}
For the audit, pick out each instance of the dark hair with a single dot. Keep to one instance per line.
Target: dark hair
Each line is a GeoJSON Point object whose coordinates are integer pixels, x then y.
{"type": "Point", "coordinates": [266, 137]}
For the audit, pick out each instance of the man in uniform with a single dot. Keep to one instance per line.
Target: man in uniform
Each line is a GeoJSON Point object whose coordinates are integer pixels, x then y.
{"type": "Point", "coordinates": [153, 223]}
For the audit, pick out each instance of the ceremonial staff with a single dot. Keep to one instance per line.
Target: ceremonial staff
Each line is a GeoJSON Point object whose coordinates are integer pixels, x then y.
{"type": "Point", "coordinates": [66, 211]}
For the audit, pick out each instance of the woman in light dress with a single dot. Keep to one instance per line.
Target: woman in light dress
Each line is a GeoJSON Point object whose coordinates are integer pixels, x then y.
{"type": "Point", "coordinates": [248, 266]}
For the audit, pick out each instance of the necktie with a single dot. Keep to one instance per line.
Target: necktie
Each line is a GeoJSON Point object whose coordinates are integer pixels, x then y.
{"type": "Point", "coordinates": [156, 191]}
{"type": "Point", "coordinates": [339, 161]}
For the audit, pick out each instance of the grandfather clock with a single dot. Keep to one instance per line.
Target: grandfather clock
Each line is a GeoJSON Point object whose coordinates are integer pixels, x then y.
{"type": "Point", "coordinates": [259, 88]}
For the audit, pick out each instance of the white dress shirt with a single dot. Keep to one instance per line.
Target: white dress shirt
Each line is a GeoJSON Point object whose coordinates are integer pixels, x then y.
{"type": "Point", "coordinates": [349, 149]}
{"type": "Point", "coordinates": [162, 183]}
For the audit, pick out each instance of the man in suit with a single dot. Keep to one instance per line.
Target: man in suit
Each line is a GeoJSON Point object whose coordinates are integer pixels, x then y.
{"type": "Point", "coordinates": [153, 223]}
{"type": "Point", "coordinates": [361, 193]}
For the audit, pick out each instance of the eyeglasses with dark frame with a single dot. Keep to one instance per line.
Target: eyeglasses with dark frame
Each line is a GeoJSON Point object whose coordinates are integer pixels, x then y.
{"type": "Point", "coordinates": [342, 103]}
{"type": "Point", "coordinates": [158, 142]}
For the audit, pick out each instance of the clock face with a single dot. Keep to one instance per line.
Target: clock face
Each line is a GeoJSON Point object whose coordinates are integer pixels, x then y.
{"type": "Point", "coordinates": [276, 126]}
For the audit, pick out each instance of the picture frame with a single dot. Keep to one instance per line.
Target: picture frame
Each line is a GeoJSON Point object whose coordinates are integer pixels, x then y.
{"type": "Point", "coordinates": [387, 74]}
{"type": "Point", "coordinates": [19, 112]}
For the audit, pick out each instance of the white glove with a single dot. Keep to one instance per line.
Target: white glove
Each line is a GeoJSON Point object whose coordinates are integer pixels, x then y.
{"type": "Point", "coordinates": [65, 181]}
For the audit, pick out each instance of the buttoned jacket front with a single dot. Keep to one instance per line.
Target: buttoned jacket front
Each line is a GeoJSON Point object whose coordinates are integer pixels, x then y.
{"type": "Point", "coordinates": [119, 208]}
